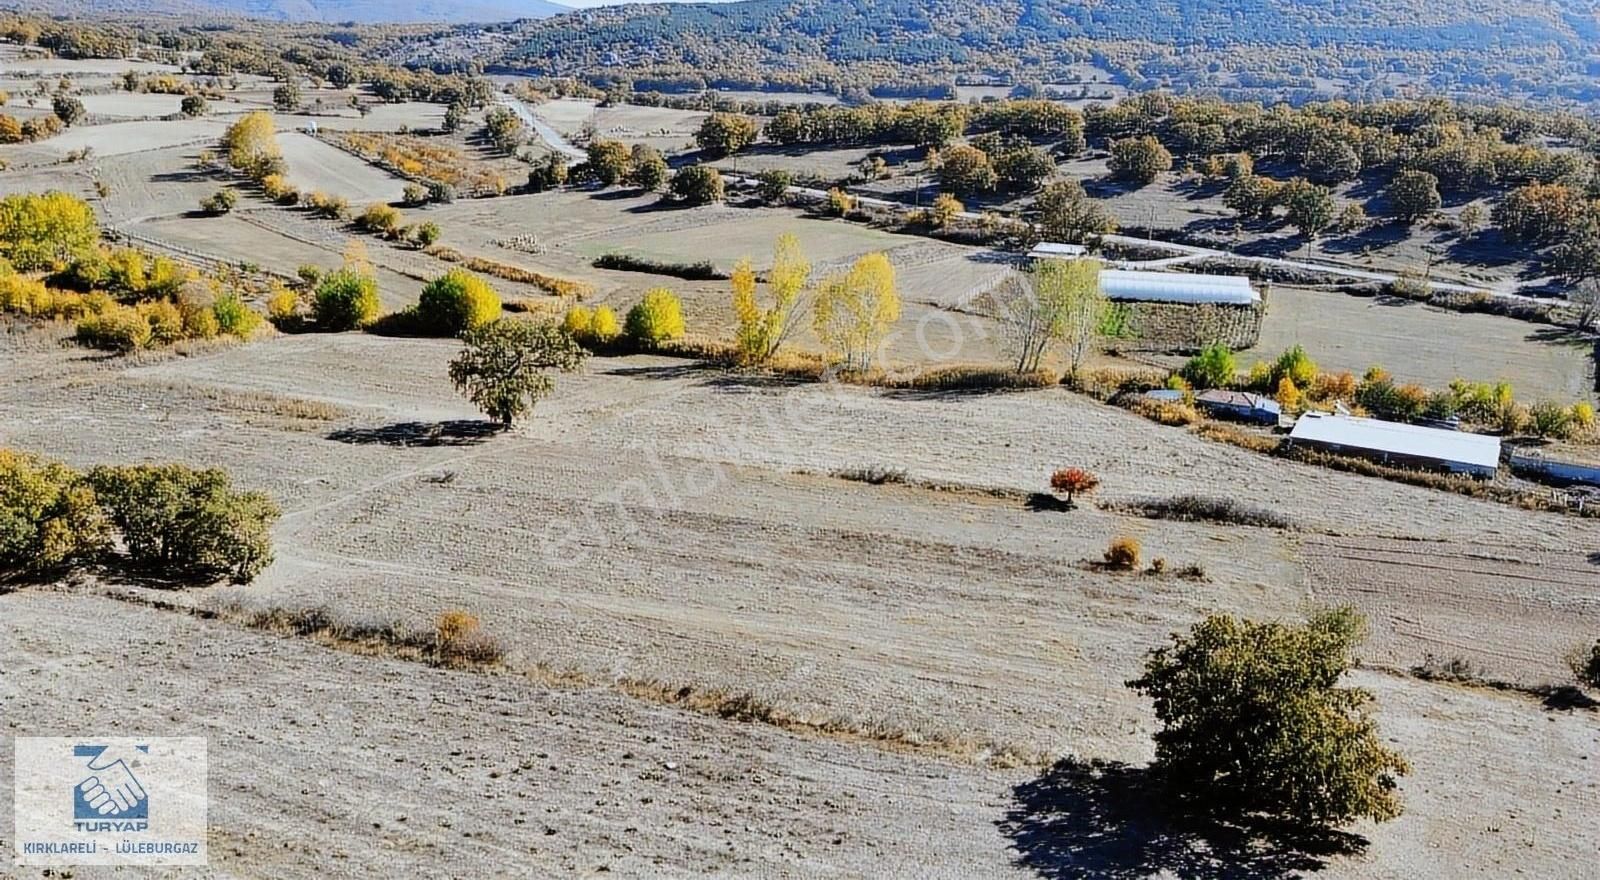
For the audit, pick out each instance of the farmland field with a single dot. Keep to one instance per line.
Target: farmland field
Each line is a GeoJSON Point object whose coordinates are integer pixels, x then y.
{"type": "Point", "coordinates": [1428, 345]}
{"type": "Point", "coordinates": [983, 609]}
{"type": "Point", "coordinates": [752, 624]}
{"type": "Point", "coordinates": [314, 165]}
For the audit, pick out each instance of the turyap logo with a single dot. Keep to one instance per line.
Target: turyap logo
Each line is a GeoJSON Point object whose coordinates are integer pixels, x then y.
{"type": "Point", "coordinates": [110, 797]}
{"type": "Point", "coordinates": [96, 799]}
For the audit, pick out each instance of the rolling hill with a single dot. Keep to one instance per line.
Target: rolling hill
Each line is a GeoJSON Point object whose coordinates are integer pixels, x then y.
{"type": "Point", "coordinates": [360, 11]}
{"type": "Point", "coordinates": [1508, 46]}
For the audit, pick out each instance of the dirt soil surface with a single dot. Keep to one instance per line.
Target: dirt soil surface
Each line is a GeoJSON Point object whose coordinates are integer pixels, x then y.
{"type": "Point", "coordinates": [658, 520]}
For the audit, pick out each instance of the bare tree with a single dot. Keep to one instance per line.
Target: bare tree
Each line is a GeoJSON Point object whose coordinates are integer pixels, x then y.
{"type": "Point", "coordinates": [1058, 302]}
{"type": "Point", "coordinates": [1586, 299]}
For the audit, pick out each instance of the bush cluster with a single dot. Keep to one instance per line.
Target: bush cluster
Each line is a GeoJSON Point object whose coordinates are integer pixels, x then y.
{"type": "Point", "coordinates": [550, 284]}
{"type": "Point", "coordinates": [656, 319]}
{"type": "Point", "coordinates": [172, 520]}
{"type": "Point", "coordinates": [701, 271]}
{"type": "Point", "coordinates": [592, 328]}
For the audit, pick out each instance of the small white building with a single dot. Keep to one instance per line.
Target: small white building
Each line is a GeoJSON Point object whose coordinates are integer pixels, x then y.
{"type": "Point", "coordinates": [1055, 250]}
{"type": "Point", "coordinates": [1129, 285]}
{"type": "Point", "coordinates": [1398, 443]}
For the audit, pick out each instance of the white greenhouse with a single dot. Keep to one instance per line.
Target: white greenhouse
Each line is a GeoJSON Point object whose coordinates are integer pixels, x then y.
{"type": "Point", "coordinates": [1126, 285]}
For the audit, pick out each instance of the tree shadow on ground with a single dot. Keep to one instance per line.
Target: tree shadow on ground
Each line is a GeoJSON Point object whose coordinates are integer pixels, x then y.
{"type": "Point", "coordinates": [1044, 502]}
{"type": "Point", "coordinates": [1374, 237]}
{"type": "Point", "coordinates": [617, 194]}
{"type": "Point", "coordinates": [717, 377]}
{"type": "Point", "coordinates": [187, 176]}
{"type": "Point", "coordinates": [1558, 335]}
{"type": "Point", "coordinates": [1111, 821]}
{"type": "Point", "coordinates": [1566, 697]}
{"type": "Point", "coordinates": [451, 433]}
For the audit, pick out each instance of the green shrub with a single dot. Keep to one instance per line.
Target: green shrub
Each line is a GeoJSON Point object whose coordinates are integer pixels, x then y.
{"type": "Point", "coordinates": [701, 271]}
{"type": "Point", "coordinates": [380, 218]}
{"type": "Point", "coordinates": [187, 522]}
{"type": "Point", "coordinates": [455, 302]}
{"type": "Point", "coordinates": [656, 319]}
{"type": "Point", "coordinates": [1297, 366]}
{"type": "Point", "coordinates": [48, 516]}
{"type": "Point", "coordinates": [1254, 722]}
{"type": "Point", "coordinates": [234, 317]}
{"type": "Point", "coordinates": [1550, 419]}
{"type": "Point", "coordinates": [1586, 665]}
{"type": "Point", "coordinates": [220, 202]}
{"type": "Point", "coordinates": [345, 299]}
{"type": "Point", "coordinates": [1213, 367]}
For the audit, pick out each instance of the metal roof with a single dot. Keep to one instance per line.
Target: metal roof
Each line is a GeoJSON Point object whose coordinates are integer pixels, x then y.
{"type": "Point", "coordinates": [1397, 438]}
{"type": "Point", "coordinates": [1245, 399]}
{"type": "Point", "coordinates": [1177, 287]}
{"type": "Point", "coordinates": [1046, 249]}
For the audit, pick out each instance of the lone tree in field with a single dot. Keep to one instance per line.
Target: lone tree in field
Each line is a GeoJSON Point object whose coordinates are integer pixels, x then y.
{"type": "Point", "coordinates": [504, 367]}
{"type": "Point", "coordinates": [698, 185]}
{"type": "Point", "coordinates": [1254, 722]}
{"type": "Point", "coordinates": [69, 110]}
{"type": "Point", "coordinates": [1073, 482]}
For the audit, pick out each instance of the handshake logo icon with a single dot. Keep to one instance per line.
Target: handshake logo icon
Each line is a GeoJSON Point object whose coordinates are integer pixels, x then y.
{"type": "Point", "coordinates": [109, 797]}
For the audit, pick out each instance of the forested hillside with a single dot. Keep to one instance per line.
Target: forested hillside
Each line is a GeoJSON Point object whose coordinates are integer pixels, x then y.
{"type": "Point", "coordinates": [362, 11]}
{"type": "Point", "coordinates": [1284, 48]}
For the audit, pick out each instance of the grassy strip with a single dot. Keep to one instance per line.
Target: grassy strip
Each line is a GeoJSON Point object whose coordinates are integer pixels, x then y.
{"type": "Point", "coordinates": [1200, 508]}
{"type": "Point", "coordinates": [563, 287]}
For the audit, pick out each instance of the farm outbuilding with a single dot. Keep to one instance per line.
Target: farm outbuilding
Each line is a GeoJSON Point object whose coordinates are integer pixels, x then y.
{"type": "Point", "coordinates": [1128, 285]}
{"type": "Point", "coordinates": [1399, 444]}
{"type": "Point", "coordinates": [1240, 405]}
{"type": "Point", "coordinates": [1182, 313]}
{"type": "Point", "coordinates": [1055, 250]}
{"type": "Point", "coordinates": [1558, 464]}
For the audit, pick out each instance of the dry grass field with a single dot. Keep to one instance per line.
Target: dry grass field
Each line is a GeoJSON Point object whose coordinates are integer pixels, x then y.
{"type": "Point", "coordinates": [1428, 345]}
{"type": "Point", "coordinates": [661, 522]}
{"type": "Point", "coordinates": [723, 657]}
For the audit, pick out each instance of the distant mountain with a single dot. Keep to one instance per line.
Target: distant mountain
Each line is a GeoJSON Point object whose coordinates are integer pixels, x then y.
{"type": "Point", "coordinates": [363, 11]}
{"type": "Point", "coordinates": [1490, 46]}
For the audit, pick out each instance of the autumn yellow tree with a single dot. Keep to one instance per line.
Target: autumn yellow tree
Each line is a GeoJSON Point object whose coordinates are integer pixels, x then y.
{"type": "Point", "coordinates": [766, 325]}
{"type": "Point", "coordinates": [1058, 303]}
{"type": "Point", "coordinates": [45, 231]}
{"type": "Point", "coordinates": [856, 309]}
{"type": "Point", "coordinates": [252, 145]}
